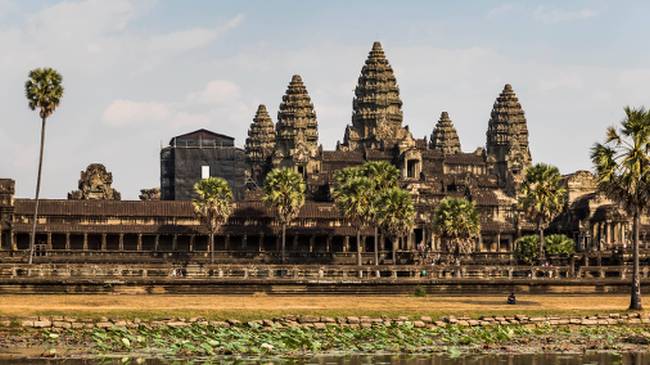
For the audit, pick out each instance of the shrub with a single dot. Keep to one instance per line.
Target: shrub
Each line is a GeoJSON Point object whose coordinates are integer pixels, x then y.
{"type": "Point", "coordinates": [527, 249]}
{"type": "Point", "coordinates": [420, 292]}
{"type": "Point", "coordinates": [559, 245]}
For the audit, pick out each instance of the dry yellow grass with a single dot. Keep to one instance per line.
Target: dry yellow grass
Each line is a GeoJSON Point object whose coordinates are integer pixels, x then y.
{"type": "Point", "coordinates": [249, 307]}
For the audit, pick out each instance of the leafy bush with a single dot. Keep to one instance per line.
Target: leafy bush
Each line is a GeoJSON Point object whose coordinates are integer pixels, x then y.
{"type": "Point", "coordinates": [420, 292]}
{"type": "Point", "coordinates": [559, 245]}
{"type": "Point", "coordinates": [527, 249]}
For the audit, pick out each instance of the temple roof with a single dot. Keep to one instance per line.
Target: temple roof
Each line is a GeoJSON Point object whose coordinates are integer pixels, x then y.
{"type": "Point", "coordinates": [444, 137]}
{"type": "Point", "coordinates": [204, 135]}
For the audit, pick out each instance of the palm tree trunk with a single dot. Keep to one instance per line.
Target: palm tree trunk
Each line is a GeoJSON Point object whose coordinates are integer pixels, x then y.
{"type": "Point", "coordinates": [359, 247]}
{"type": "Point", "coordinates": [212, 247]}
{"type": "Point", "coordinates": [38, 191]}
{"type": "Point", "coordinates": [540, 229]}
{"type": "Point", "coordinates": [284, 242]}
{"type": "Point", "coordinates": [376, 246]}
{"type": "Point", "coordinates": [635, 297]}
{"type": "Point", "coordinates": [394, 244]}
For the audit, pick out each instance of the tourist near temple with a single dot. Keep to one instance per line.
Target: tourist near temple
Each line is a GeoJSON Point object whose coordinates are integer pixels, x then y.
{"type": "Point", "coordinates": [94, 224]}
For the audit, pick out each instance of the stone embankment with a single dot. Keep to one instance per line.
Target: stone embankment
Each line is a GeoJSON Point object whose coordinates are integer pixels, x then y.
{"type": "Point", "coordinates": [317, 322]}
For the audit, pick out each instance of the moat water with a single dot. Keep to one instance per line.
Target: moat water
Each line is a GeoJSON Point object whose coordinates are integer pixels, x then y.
{"type": "Point", "coordinates": [490, 359]}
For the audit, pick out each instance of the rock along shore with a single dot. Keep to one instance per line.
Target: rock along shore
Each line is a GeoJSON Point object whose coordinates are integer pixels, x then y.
{"type": "Point", "coordinates": [319, 322]}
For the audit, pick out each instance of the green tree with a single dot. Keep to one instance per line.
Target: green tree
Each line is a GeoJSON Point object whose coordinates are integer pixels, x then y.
{"type": "Point", "coordinates": [542, 197]}
{"type": "Point", "coordinates": [395, 214]}
{"type": "Point", "coordinates": [213, 205]}
{"type": "Point", "coordinates": [44, 90]}
{"type": "Point", "coordinates": [527, 249]}
{"type": "Point", "coordinates": [353, 198]}
{"type": "Point", "coordinates": [457, 221]}
{"type": "Point", "coordinates": [559, 245]}
{"type": "Point", "coordinates": [382, 175]}
{"type": "Point", "coordinates": [284, 192]}
{"type": "Point", "coordinates": [622, 167]}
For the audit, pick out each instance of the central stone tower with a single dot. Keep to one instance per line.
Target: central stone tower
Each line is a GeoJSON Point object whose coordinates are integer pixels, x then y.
{"type": "Point", "coordinates": [376, 108]}
{"type": "Point", "coordinates": [507, 140]}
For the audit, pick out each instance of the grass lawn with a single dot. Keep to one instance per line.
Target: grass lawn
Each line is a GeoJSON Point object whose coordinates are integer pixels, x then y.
{"type": "Point", "coordinates": [262, 306]}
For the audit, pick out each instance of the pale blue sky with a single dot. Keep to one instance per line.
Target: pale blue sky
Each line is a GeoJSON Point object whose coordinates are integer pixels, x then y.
{"type": "Point", "coordinates": [138, 72]}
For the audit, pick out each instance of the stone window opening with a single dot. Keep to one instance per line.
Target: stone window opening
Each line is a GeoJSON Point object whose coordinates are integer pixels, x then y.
{"type": "Point", "coordinates": [412, 168]}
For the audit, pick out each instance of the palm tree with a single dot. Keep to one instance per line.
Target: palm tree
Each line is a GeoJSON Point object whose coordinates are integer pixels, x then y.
{"type": "Point", "coordinates": [622, 167]}
{"type": "Point", "coordinates": [44, 91]}
{"type": "Point", "coordinates": [284, 191]}
{"type": "Point", "coordinates": [382, 175]}
{"type": "Point", "coordinates": [395, 214]}
{"type": "Point", "coordinates": [542, 197]}
{"type": "Point", "coordinates": [213, 204]}
{"type": "Point", "coordinates": [353, 198]}
{"type": "Point", "coordinates": [457, 221]}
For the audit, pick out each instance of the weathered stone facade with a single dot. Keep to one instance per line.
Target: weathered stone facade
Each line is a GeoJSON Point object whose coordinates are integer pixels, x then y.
{"type": "Point", "coordinates": [95, 184]}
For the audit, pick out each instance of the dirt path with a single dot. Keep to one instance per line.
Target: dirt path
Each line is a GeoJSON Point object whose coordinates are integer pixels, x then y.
{"type": "Point", "coordinates": [264, 306]}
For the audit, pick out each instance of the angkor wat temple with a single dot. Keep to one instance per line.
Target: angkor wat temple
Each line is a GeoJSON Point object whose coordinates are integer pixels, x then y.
{"type": "Point", "coordinates": [94, 224]}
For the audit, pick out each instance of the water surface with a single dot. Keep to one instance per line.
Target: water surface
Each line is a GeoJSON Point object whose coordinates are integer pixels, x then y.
{"type": "Point", "coordinates": [492, 359]}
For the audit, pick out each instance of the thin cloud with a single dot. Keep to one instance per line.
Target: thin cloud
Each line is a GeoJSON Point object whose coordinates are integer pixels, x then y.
{"type": "Point", "coordinates": [189, 39]}
{"type": "Point", "coordinates": [500, 10]}
{"type": "Point", "coordinates": [551, 15]}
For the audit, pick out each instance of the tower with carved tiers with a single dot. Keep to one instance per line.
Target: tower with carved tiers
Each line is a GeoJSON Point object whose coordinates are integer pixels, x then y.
{"type": "Point", "coordinates": [507, 140]}
{"type": "Point", "coordinates": [260, 144]}
{"type": "Point", "coordinates": [444, 137]}
{"type": "Point", "coordinates": [296, 137]}
{"type": "Point", "coordinates": [377, 107]}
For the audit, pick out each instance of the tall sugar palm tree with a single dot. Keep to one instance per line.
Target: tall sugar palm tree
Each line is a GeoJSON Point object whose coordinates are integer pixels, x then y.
{"type": "Point", "coordinates": [213, 205]}
{"type": "Point", "coordinates": [353, 197]}
{"type": "Point", "coordinates": [395, 214]}
{"type": "Point", "coordinates": [284, 192]}
{"type": "Point", "coordinates": [542, 197]}
{"type": "Point", "coordinates": [382, 175]}
{"type": "Point", "coordinates": [457, 221]}
{"type": "Point", "coordinates": [622, 167]}
{"type": "Point", "coordinates": [44, 90]}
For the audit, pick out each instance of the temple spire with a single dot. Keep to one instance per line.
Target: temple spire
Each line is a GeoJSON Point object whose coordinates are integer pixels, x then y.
{"type": "Point", "coordinates": [507, 139]}
{"type": "Point", "coordinates": [377, 107]}
{"type": "Point", "coordinates": [444, 137]}
{"type": "Point", "coordinates": [260, 144]}
{"type": "Point", "coordinates": [297, 130]}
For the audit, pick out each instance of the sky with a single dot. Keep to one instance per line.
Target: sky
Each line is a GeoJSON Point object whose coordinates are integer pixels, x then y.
{"type": "Point", "coordinates": [138, 72]}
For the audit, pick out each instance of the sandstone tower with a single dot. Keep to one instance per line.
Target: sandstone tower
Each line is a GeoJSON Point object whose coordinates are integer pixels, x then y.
{"type": "Point", "coordinates": [444, 137]}
{"type": "Point", "coordinates": [507, 140]}
{"type": "Point", "coordinates": [296, 138]}
{"type": "Point", "coordinates": [377, 107]}
{"type": "Point", "coordinates": [260, 144]}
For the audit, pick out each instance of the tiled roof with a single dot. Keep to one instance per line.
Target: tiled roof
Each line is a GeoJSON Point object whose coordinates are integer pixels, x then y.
{"type": "Point", "coordinates": [177, 209]}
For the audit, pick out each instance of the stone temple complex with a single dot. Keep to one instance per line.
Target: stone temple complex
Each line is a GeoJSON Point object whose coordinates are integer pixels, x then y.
{"type": "Point", "coordinates": [94, 224]}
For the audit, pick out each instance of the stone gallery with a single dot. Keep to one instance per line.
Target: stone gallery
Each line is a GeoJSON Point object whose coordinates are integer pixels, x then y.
{"type": "Point", "coordinates": [94, 224]}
